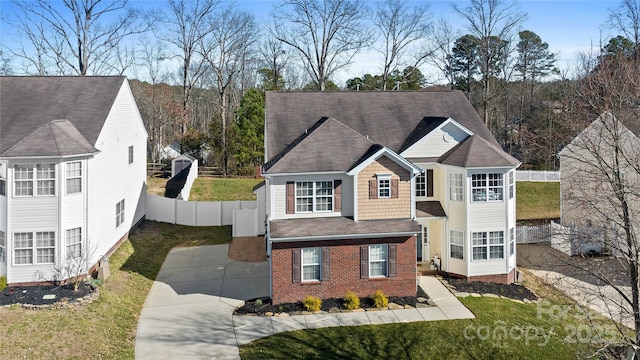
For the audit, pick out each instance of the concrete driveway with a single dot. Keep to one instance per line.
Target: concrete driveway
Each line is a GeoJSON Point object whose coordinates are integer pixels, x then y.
{"type": "Point", "coordinates": [188, 312]}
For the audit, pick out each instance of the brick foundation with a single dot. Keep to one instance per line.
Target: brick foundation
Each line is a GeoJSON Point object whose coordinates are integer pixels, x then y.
{"type": "Point", "coordinates": [499, 278]}
{"type": "Point", "coordinates": [344, 271]}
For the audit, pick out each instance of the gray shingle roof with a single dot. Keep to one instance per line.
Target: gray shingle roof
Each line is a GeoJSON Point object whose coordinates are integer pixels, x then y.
{"type": "Point", "coordinates": [475, 151]}
{"type": "Point", "coordinates": [28, 103]}
{"type": "Point", "coordinates": [386, 118]}
{"type": "Point", "coordinates": [337, 227]}
{"type": "Point", "coordinates": [429, 209]}
{"type": "Point", "coordinates": [328, 145]}
{"type": "Point", "coordinates": [55, 138]}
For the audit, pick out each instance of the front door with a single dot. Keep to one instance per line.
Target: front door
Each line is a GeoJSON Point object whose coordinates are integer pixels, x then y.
{"type": "Point", "coordinates": [426, 254]}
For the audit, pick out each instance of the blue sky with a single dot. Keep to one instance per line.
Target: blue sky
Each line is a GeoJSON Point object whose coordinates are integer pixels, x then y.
{"type": "Point", "coordinates": [568, 26]}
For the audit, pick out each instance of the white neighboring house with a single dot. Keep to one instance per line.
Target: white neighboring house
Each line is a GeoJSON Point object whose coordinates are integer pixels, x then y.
{"type": "Point", "coordinates": [72, 172]}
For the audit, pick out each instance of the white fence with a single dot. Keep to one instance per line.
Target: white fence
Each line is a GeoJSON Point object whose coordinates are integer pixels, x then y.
{"type": "Point", "coordinates": [538, 175]}
{"type": "Point", "coordinates": [533, 234]}
{"type": "Point", "coordinates": [193, 174]}
{"type": "Point", "coordinates": [243, 215]}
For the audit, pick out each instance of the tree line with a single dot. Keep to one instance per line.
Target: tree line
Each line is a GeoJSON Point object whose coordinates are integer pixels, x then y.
{"type": "Point", "coordinates": [203, 65]}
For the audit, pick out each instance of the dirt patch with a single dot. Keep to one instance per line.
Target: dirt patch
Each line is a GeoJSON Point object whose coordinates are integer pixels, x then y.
{"type": "Point", "coordinates": [248, 249]}
{"type": "Point", "coordinates": [543, 257]}
{"type": "Point", "coordinates": [512, 291]}
{"type": "Point", "coordinates": [263, 305]}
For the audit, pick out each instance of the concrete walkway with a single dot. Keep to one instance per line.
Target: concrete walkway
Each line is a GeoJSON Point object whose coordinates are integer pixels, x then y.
{"type": "Point", "coordinates": [188, 313]}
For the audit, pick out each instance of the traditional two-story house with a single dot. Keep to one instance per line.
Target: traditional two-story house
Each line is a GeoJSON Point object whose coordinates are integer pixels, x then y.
{"type": "Point", "coordinates": [72, 173]}
{"type": "Point", "coordinates": [361, 187]}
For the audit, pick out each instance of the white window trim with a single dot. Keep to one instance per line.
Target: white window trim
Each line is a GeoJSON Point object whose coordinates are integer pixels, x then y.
{"type": "Point", "coordinates": [512, 190]}
{"type": "Point", "coordinates": [73, 239]}
{"type": "Point", "coordinates": [385, 260]}
{"type": "Point", "coordinates": [487, 187]}
{"type": "Point", "coordinates": [318, 264]}
{"type": "Point", "coordinates": [384, 179]}
{"type": "Point", "coordinates": [421, 184]}
{"type": "Point", "coordinates": [73, 176]}
{"type": "Point", "coordinates": [130, 157]}
{"type": "Point", "coordinates": [34, 247]}
{"type": "Point", "coordinates": [28, 170]}
{"type": "Point", "coordinates": [120, 213]}
{"type": "Point", "coordinates": [512, 242]}
{"type": "Point", "coordinates": [3, 247]}
{"type": "Point", "coordinates": [456, 187]}
{"type": "Point", "coordinates": [488, 236]}
{"type": "Point", "coordinates": [456, 238]}
{"type": "Point", "coordinates": [34, 179]}
{"type": "Point", "coordinates": [315, 187]}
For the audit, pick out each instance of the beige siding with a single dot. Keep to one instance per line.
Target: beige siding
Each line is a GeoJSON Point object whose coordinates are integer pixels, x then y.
{"type": "Point", "coordinates": [279, 196]}
{"type": "Point", "coordinates": [434, 144]}
{"type": "Point", "coordinates": [392, 208]}
{"type": "Point", "coordinates": [487, 267]}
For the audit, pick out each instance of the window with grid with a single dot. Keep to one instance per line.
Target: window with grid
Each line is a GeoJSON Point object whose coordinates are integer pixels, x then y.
{"type": "Point", "coordinates": [23, 180]}
{"type": "Point", "coordinates": [512, 241]}
{"type": "Point", "coordinates": [73, 243]}
{"type": "Point", "coordinates": [479, 243]}
{"type": "Point", "coordinates": [23, 248]}
{"type": "Point", "coordinates": [46, 179]}
{"type": "Point", "coordinates": [384, 186]}
{"type": "Point", "coordinates": [488, 245]}
{"type": "Point", "coordinates": [119, 213]}
{"type": "Point", "coordinates": [131, 154]}
{"type": "Point", "coordinates": [496, 245]}
{"type": "Point", "coordinates": [421, 184]}
{"type": "Point", "coordinates": [74, 177]}
{"type": "Point", "coordinates": [3, 247]}
{"type": "Point", "coordinates": [3, 187]}
{"type": "Point", "coordinates": [378, 256]}
{"type": "Point", "coordinates": [311, 260]}
{"type": "Point", "coordinates": [456, 240]}
{"type": "Point", "coordinates": [512, 185]}
{"type": "Point", "coordinates": [45, 247]}
{"type": "Point", "coordinates": [486, 187]}
{"type": "Point", "coordinates": [312, 196]}
{"type": "Point", "coordinates": [456, 187]}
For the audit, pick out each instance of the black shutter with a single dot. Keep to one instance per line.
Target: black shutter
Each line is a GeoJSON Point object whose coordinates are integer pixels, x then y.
{"type": "Point", "coordinates": [326, 264]}
{"type": "Point", "coordinates": [297, 264]}
{"type": "Point", "coordinates": [429, 182]}
{"type": "Point", "coordinates": [393, 260]}
{"type": "Point", "coordinates": [364, 262]}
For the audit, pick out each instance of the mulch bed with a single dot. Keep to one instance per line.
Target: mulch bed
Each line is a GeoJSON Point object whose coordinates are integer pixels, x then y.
{"type": "Point", "coordinates": [33, 295]}
{"type": "Point", "coordinates": [512, 291]}
{"type": "Point", "coordinates": [263, 305]}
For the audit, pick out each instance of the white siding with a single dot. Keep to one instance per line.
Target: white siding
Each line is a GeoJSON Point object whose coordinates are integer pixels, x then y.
{"type": "Point", "coordinates": [278, 196]}
{"type": "Point", "coordinates": [487, 267]}
{"type": "Point", "coordinates": [111, 178]}
{"type": "Point", "coordinates": [434, 144]}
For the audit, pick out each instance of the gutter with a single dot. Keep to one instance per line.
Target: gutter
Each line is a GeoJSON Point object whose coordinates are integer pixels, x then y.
{"type": "Point", "coordinates": [341, 237]}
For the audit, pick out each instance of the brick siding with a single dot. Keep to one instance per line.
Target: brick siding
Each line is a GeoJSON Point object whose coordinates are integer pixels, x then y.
{"type": "Point", "coordinates": [344, 271]}
{"type": "Point", "coordinates": [497, 278]}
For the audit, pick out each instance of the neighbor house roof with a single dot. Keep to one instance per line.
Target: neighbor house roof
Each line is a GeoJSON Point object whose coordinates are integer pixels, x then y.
{"type": "Point", "coordinates": [55, 138]}
{"type": "Point", "coordinates": [339, 228]}
{"type": "Point", "coordinates": [27, 103]}
{"type": "Point", "coordinates": [392, 119]}
{"type": "Point", "coordinates": [475, 151]}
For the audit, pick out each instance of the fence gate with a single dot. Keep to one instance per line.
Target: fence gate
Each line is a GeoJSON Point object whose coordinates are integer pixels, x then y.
{"type": "Point", "coordinates": [533, 234]}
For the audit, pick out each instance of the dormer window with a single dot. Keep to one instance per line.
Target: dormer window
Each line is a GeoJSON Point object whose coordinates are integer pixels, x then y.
{"type": "Point", "coordinates": [384, 185]}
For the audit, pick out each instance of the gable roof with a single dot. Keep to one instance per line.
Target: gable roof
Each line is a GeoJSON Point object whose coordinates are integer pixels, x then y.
{"type": "Point", "coordinates": [55, 138]}
{"type": "Point", "coordinates": [29, 102]}
{"type": "Point", "coordinates": [322, 147]}
{"type": "Point", "coordinates": [387, 118]}
{"type": "Point", "coordinates": [600, 127]}
{"type": "Point", "coordinates": [475, 151]}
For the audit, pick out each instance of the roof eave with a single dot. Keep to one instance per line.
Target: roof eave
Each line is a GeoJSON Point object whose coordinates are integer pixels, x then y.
{"type": "Point", "coordinates": [342, 236]}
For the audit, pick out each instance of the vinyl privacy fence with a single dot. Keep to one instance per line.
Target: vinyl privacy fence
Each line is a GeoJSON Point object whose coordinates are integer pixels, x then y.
{"type": "Point", "coordinates": [242, 215]}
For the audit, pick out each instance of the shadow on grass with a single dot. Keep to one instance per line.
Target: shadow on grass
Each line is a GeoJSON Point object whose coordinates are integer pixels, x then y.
{"type": "Point", "coordinates": [152, 241]}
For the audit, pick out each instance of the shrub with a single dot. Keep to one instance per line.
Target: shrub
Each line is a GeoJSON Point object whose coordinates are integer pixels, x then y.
{"type": "Point", "coordinates": [312, 303]}
{"type": "Point", "coordinates": [3, 282]}
{"type": "Point", "coordinates": [380, 300]}
{"type": "Point", "coordinates": [351, 301]}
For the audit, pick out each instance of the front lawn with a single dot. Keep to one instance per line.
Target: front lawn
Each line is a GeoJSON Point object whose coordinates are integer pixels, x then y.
{"type": "Point", "coordinates": [537, 200]}
{"type": "Point", "coordinates": [106, 328]}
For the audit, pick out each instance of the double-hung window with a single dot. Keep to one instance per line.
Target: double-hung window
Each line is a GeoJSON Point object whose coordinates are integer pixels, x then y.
{"type": "Point", "coordinates": [384, 185]}
{"type": "Point", "coordinates": [378, 260]}
{"type": "Point", "coordinates": [73, 243]}
{"type": "Point", "coordinates": [131, 154]}
{"type": "Point", "coordinates": [456, 187]}
{"type": "Point", "coordinates": [42, 177]}
{"type": "Point", "coordinates": [74, 177]}
{"type": "Point", "coordinates": [314, 196]}
{"type": "Point", "coordinates": [421, 185]}
{"type": "Point", "coordinates": [3, 247]}
{"type": "Point", "coordinates": [119, 213]}
{"type": "Point", "coordinates": [23, 180]}
{"type": "Point", "coordinates": [24, 249]}
{"type": "Point", "coordinates": [311, 261]}
{"type": "Point", "coordinates": [45, 247]}
{"type": "Point", "coordinates": [486, 187]}
{"type": "Point", "coordinates": [512, 241]}
{"type": "Point", "coordinates": [46, 179]}
{"type": "Point", "coordinates": [456, 239]}
{"type": "Point", "coordinates": [488, 245]}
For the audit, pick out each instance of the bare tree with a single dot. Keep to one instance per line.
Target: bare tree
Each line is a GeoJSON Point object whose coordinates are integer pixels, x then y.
{"type": "Point", "coordinates": [274, 59]}
{"type": "Point", "coordinates": [491, 21]}
{"type": "Point", "coordinates": [400, 27]}
{"type": "Point", "coordinates": [325, 34]}
{"type": "Point", "coordinates": [626, 18]}
{"type": "Point", "coordinates": [601, 185]}
{"type": "Point", "coordinates": [443, 37]}
{"type": "Point", "coordinates": [76, 36]}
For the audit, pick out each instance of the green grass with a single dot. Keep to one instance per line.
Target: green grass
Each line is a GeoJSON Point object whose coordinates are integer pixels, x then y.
{"type": "Point", "coordinates": [537, 200]}
{"type": "Point", "coordinates": [106, 328]}
{"type": "Point", "coordinates": [217, 189]}
{"type": "Point", "coordinates": [530, 334]}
